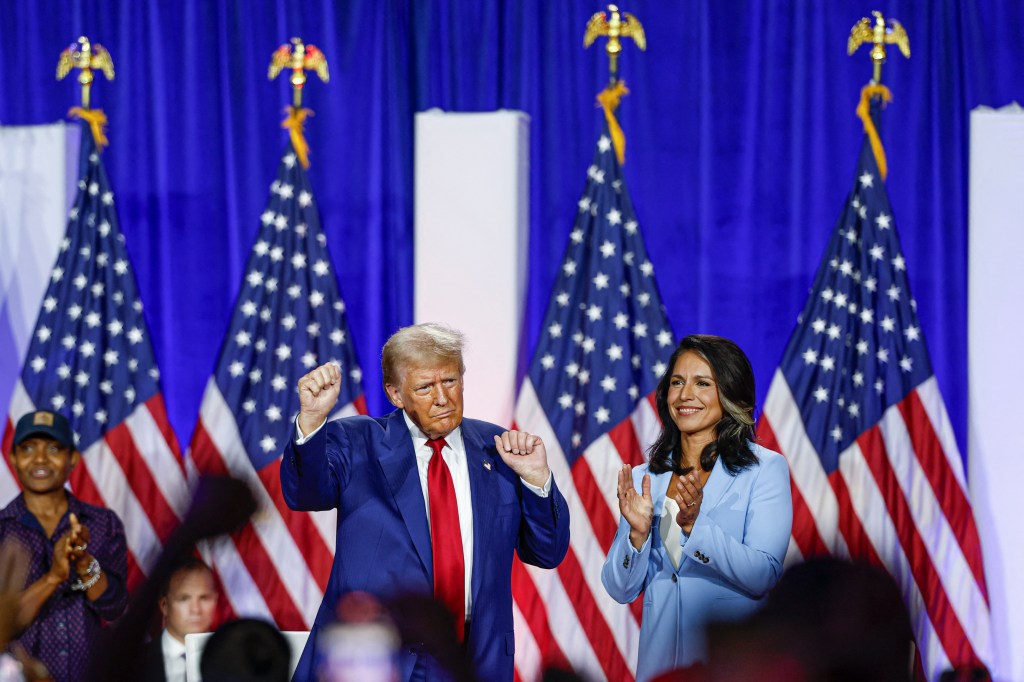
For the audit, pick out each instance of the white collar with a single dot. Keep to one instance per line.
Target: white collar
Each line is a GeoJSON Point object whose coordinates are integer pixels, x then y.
{"type": "Point", "coordinates": [172, 648]}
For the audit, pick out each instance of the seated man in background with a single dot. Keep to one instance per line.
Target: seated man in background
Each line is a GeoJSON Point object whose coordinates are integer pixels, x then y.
{"type": "Point", "coordinates": [188, 603]}
{"type": "Point", "coordinates": [78, 556]}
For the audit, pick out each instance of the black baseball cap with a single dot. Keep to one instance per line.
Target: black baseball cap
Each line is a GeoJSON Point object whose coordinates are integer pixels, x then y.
{"type": "Point", "coordinates": [44, 423]}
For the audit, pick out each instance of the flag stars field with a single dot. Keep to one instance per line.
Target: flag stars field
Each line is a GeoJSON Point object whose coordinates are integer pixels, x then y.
{"type": "Point", "coordinates": [287, 320]}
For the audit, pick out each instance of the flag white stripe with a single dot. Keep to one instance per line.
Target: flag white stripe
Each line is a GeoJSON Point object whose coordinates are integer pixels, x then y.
{"type": "Point", "coordinates": [584, 542]}
{"type": "Point", "coordinates": [804, 464]}
{"type": "Point", "coordinates": [326, 523]}
{"type": "Point", "coordinates": [605, 462]}
{"type": "Point", "coordinates": [528, 659]}
{"type": "Point", "coordinates": [793, 555]}
{"type": "Point", "coordinates": [944, 550]}
{"type": "Point", "coordinates": [646, 424]}
{"type": "Point", "coordinates": [566, 628]}
{"type": "Point", "coordinates": [869, 506]}
{"type": "Point", "coordinates": [164, 465]}
{"type": "Point", "coordinates": [290, 564]}
{"type": "Point", "coordinates": [935, 406]}
{"type": "Point", "coordinates": [244, 596]}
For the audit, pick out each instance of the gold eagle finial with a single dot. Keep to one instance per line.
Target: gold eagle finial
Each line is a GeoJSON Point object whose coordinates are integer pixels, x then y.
{"type": "Point", "coordinates": [615, 26]}
{"type": "Point", "coordinates": [85, 56]}
{"type": "Point", "coordinates": [299, 58]}
{"type": "Point", "coordinates": [878, 34]}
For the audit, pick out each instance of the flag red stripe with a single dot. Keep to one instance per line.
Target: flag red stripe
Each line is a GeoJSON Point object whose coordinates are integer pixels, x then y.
{"type": "Point", "coordinates": [84, 488]}
{"type": "Point", "coordinates": [598, 513]}
{"type": "Point", "coordinates": [857, 541]}
{"type": "Point", "coordinates": [951, 497]}
{"type": "Point", "coordinates": [535, 613]}
{"type": "Point", "coordinates": [266, 577]}
{"type": "Point", "coordinates": [604, 524]}
{"type": "Point", "coordinates": [625, 440]}
{"type": "Point", "coordinates": [805, 530]}
{"type": "Point", "coordinates": [264, 572]}
{"type": "Point", "coordinates": [301, 526]}
{"type": "Point", "coordinates": [592, 620]}
{"type": "Point", "coordinates": [140, 480]}
{"type": "Point", "coordinates": [224, 611]}
{"type": "Point", "coordinates": [8, 443]}
{"type": "Point", "coordinates": [135, 575]}
{"type": "Point", "coordinates": [944, 619]}
{"type": "Point", "coordinates": [204, 453]}
{"type": "Point", "coordinates": [158, 410]}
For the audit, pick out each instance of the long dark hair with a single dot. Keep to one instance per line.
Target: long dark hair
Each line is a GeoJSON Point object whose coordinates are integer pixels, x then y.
{"type": "Point", "coordinates": [735, 379]}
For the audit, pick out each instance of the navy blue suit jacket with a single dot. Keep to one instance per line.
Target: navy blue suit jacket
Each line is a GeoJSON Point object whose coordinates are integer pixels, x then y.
{"type": "Point", "coordinates": [366, 468]}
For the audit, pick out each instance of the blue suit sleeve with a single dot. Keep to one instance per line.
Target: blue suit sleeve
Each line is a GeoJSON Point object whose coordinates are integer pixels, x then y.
{"type": "Point", "coordinates": [754, 565]}
{"type": "Point", "coordinates": [313, 474]}
{"type": "Point", "coordinates": [544, 530]}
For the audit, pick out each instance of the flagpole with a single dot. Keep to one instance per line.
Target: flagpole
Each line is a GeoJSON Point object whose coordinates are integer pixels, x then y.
{"type": "Point", "coordinates": [86, 56]}
{"type": "Point", "coordinates": [878, 34]}
{"type": "Point", "coordinates": [616, 26]}
{"type": "Point", "coordinates": [298, 57]}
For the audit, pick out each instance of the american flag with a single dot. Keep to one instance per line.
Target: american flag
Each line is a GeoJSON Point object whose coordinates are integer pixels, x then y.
{"type": "Point", "coordinates": [604, 345]}
{"type": "Point", "coordinates": [91, 359]}
{"type": "Point", "coordinates": [288, 319]}
{"type": "Point", "coordinates": [875, 467]}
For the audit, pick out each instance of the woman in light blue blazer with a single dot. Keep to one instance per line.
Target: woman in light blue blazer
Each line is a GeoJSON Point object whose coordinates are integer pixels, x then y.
{"type": "Point", "coordinates": [705, 524]}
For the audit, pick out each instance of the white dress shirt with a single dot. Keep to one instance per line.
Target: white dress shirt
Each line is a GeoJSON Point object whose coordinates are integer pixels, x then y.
{"type": "Point", "coordinates": [671, 532]}
{"type": "Point", "coordinates": [454, 454]}
{"type": "Point", "coordinates": [174, 657]}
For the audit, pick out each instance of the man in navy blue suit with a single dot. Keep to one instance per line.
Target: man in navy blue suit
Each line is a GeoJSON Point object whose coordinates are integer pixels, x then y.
{"type": "Point", "coordinates": [428, 502]}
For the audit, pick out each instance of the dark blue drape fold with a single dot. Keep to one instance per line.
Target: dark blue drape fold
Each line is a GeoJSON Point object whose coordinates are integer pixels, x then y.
{"type": "Point", "coordinates": [741, 139]}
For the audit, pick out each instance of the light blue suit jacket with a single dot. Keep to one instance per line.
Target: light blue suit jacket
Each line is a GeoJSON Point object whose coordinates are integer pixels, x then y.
{"type": "Point", "coordinates": [730, 560]}
{"type": "Point", "coordinates": [366, 468]}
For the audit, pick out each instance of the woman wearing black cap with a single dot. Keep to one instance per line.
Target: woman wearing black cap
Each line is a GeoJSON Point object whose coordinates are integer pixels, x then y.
{"type": "Point", "coordinates": [77, 552]}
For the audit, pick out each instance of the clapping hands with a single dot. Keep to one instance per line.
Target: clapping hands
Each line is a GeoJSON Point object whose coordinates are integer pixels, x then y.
{"type": "Point", "coordinates": [636, 507]}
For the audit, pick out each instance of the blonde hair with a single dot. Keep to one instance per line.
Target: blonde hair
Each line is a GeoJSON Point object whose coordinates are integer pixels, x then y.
{"type": "Point", "coordinates": [429, 343]}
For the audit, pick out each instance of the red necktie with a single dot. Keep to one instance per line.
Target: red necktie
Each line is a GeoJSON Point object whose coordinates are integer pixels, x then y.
{"type": "Point", "coordinates": [446, 538]}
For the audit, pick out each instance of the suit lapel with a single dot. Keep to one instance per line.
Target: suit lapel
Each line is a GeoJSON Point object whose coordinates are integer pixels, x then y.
{"type": "Point", "coordinates": [398, 462]}
{"type": "Point", "coordinates": [483, 488]}
{"type": "Point", "coordinates": [718, 482]}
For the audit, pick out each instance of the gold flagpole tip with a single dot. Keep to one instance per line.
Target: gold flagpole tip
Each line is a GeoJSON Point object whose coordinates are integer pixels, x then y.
{"type": "Point", "coordinates": [878, 33]}
{"type": "Point", "coordinates": [300, 58]}
{"type": "Point", "coordinates": [85, 56]}
{"type": "Point", "coordinates": [615, 26]}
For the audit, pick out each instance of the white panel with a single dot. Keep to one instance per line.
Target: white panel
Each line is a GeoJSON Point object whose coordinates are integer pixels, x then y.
{"type": "Point", "coordinates": [472, 229]}
{"type": "Point", "coordinates": [996, 371]}
{"type": "Point", "coordinates": [38, 172]}
{"type": "Point", "coordinates": [196, 642]}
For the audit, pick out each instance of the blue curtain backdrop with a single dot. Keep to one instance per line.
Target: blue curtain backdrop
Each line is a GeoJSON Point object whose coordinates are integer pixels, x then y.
{"type": "Point", "coordinates": [741, 144]}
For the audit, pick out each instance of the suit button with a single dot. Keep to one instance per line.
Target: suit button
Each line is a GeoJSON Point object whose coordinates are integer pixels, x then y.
{"type": "Point", "coordinates": [674, 578]}
{"type": "Point", "coordinates": [705, 559]}
{"type": "Point", "coordinates": [697, 554]}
